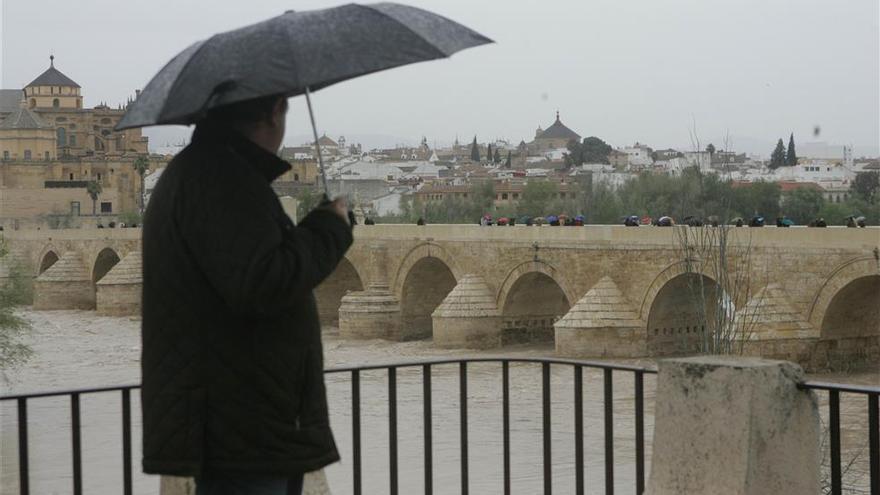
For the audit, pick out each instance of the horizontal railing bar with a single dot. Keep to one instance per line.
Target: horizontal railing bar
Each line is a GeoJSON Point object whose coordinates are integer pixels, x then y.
{"type": "Point", "coordinates": [495, 359]}
{"type": "Point", "coordinates": [840, 387]}
{"type": "Point", "coordinates": [80, 391]}
{"type": "Point", "coordinates": [812, 385]}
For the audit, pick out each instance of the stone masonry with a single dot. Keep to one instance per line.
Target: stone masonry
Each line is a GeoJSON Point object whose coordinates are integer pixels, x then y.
{"type": "Point", "coordinates": [819, 288]}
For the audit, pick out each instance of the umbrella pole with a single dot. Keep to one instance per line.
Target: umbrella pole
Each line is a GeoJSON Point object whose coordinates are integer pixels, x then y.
{"type": "Point", "coordinates": [317, 146]}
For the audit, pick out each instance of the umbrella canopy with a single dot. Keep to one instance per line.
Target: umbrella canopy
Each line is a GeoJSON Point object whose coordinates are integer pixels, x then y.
{"type": "Point", "coordinates": [291, 54]}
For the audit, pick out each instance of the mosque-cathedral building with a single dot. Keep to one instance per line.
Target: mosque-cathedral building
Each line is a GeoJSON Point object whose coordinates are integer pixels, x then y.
{"type": "Point", "coordinates": [51, 147]}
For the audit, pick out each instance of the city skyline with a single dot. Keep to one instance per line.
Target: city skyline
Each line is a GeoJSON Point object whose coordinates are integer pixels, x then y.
{"type": "Point", "coordinates": [625, 73]}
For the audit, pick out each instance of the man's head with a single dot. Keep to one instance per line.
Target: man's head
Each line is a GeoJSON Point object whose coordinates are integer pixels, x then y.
{"type": "Point", "coordinates": [262, 120]}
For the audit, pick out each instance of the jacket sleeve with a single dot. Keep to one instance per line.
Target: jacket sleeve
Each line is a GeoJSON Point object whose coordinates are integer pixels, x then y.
{"type": "Point", "coordinates": [259, 263]}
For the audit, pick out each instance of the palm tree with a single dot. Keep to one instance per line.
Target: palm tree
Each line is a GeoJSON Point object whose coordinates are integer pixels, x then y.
{"type": "Point", "coordinates": [94, 189]}
{"type": "Point", "coordinates": [141, 164]}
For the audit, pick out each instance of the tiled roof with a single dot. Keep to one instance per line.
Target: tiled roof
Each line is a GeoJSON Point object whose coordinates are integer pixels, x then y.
{"type": "Point", "coordinates": [22, 118]}
{"type": "Point", "coordinates": [10, 100]}
{"type": "Point", "coordinates": [53, 77]}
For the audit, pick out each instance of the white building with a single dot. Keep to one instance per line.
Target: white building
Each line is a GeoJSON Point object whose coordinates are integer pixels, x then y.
{"type": "Point", "coordinates": [702, 159]}
{"type": "Point", "coordinates": [638, 155]}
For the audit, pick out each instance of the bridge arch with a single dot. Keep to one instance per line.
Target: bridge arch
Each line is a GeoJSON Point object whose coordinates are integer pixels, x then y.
{"type": "Point", "coordinates": [330, 292]}
{"type": "Point", "coordinates": [426, 283]}
{"type": "Point", "coordinates": [106, 259]}
{"type": "Point", "coordinates": [533, 295]}
{"type": "Point", "coordinates": [848, 302]}
{"type": "Point", "coordinates": [676, 306]}
{"type": "Point", "coordinates": [414, 255]}
{"type": "Point", "coordinates": [47, 259]}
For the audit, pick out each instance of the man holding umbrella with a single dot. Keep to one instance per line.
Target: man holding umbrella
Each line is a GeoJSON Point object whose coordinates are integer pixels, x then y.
{"type": "Point", "coordinates": [233, 390]}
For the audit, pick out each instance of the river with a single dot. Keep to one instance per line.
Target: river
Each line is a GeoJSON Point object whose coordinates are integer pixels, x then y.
{"type": "Point", "coordinates": [76, 349]}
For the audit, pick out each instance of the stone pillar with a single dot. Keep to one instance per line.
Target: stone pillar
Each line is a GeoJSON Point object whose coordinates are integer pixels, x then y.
{"type": "Point", "coordinates": [468, 316]}
{"type": "Point", "coordinates": [601, 324]}
{"type": "Point", "coordinates": [119, 292]}
{"type": "Point", "coordinates": [737, 426]}
{"type": "Point", "coordinates": [373, 313]}
{"type": "Point", "coordinates": [65, 285]}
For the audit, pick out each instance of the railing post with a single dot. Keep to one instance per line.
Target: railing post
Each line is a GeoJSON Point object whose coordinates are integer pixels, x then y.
{"type": "Point", "coordinates": [76, 443]}
{"type": "Point", "coordinates": [609, 432]}
{"type": "Point", "coordinates": [126, 442]}
{"type": "Point", "coordinates": [640, 431]}
{"type": "Point", "coordinates": [505, 415]}
{"type": "Point", "coordinates": [545, 431]}
{"type": "Point", "coordinates": [356, 431]}
{"type": "Point", "coordinates": [733, 425]}
{"type": "Point", "coordinates": [462, 384]}
{"type": "Point", "coordinates": [23, 474]}
{"type": "Point", "coordinates": [874, 442]}
{"type": "Point", "coordinates": [429, 443]}
{"type": "Point", "coordinates": [392, 427]}
{"type": "Point", "coordinates": [579, 429]}
{"type": "Point", "coordinates": [834, 439]}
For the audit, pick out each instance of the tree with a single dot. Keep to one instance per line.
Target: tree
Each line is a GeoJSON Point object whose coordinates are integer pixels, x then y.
{"type": "Point", "coordinates": [497, 157]}
{"type": "Point", "coordinates": [507, 163]}
{"type": "Point", "coordinates": [777, 159]}
{"type": "Point", "coordinates": [141, 165]}
{"type": "Point", "coordinates": [594, 150]}
{"type": "Point", "coordinates": [710, 149]}
{"type": "Point", "coordinates": [13, 292]}
{"type": "Point", "coordinates": [94, 189]}
{"type": "Point", "coordinates": [475, 151]}
{"type": "Point", "coordinates": [537, 197]}
{"type": "Point", "coordinates": [790, 155]}
{"type": "Point", "coordinates": [757, 198]}
{"type": "Point", "coordinates": [866, 186]}
{"type": "Point", "coordinates": [802, 205]}
{"type": "Point", "coordinates": [488, 153]}
{"type": "Point", "coordinates": [483, 196]}
{"type": "Point", "coordinates": [575, 155]}
{"type": "Point", "coordinates": [718, 270]}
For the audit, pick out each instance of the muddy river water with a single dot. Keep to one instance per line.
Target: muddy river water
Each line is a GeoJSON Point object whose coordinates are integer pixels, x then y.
{"type": "Point", "coordinates": [76, 349]}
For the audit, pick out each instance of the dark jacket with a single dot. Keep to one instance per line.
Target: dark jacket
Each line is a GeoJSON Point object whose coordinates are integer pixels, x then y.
{"type": "Point", "coordinates": [232, 361]}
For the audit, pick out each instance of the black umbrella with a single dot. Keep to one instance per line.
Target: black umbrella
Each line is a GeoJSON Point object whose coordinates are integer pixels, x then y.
{"type": "Point", "coordinates": [294, 53]}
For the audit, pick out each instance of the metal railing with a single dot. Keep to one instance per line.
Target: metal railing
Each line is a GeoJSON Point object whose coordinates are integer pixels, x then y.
{"type": "Point", "coordinates": [608, 370]}
{"type": "Point", "coordinates": [836, 467]}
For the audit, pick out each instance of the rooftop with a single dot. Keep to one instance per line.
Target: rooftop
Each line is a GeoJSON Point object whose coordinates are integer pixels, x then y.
{"type": "Point", "coordinates": [10, 100]}
{"type": "Point", "coordinates": [558, 131]}
{"type": "Point", "coordinates": [22, 118]}
{"type": "Point", "coordinates": [53, 77]}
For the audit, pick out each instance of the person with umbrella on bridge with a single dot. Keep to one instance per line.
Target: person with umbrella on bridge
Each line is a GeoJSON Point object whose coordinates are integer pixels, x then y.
{"type": "Point", "coordinates": [233, 389]}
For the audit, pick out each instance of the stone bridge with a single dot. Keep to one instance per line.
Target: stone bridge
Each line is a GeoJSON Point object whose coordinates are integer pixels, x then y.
{"type": "Point", "coordinates": [808, 295]}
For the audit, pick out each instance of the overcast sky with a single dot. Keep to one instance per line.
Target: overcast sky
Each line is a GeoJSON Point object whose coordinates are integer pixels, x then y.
{"type": "Point", "coordinates": [624, 70]}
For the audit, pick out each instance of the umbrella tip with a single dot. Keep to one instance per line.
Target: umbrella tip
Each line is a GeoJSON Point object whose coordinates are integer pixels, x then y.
{"type": "Point", "coordinates": [51, 60]}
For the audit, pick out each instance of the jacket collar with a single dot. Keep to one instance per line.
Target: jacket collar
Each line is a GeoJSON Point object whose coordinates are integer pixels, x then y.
{"type": "Point", "coordinates": [268, 164]}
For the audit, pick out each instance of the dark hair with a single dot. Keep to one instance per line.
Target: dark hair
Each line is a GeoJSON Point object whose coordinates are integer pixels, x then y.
{"type": "Point", "coordinates": [245, 112]}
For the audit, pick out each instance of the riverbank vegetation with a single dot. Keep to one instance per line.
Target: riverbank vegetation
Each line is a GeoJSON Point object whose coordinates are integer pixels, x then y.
{"type": "Point", "coordinates": [15, 290]}
{"type": "Point", "coordinates": [692, 193]}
